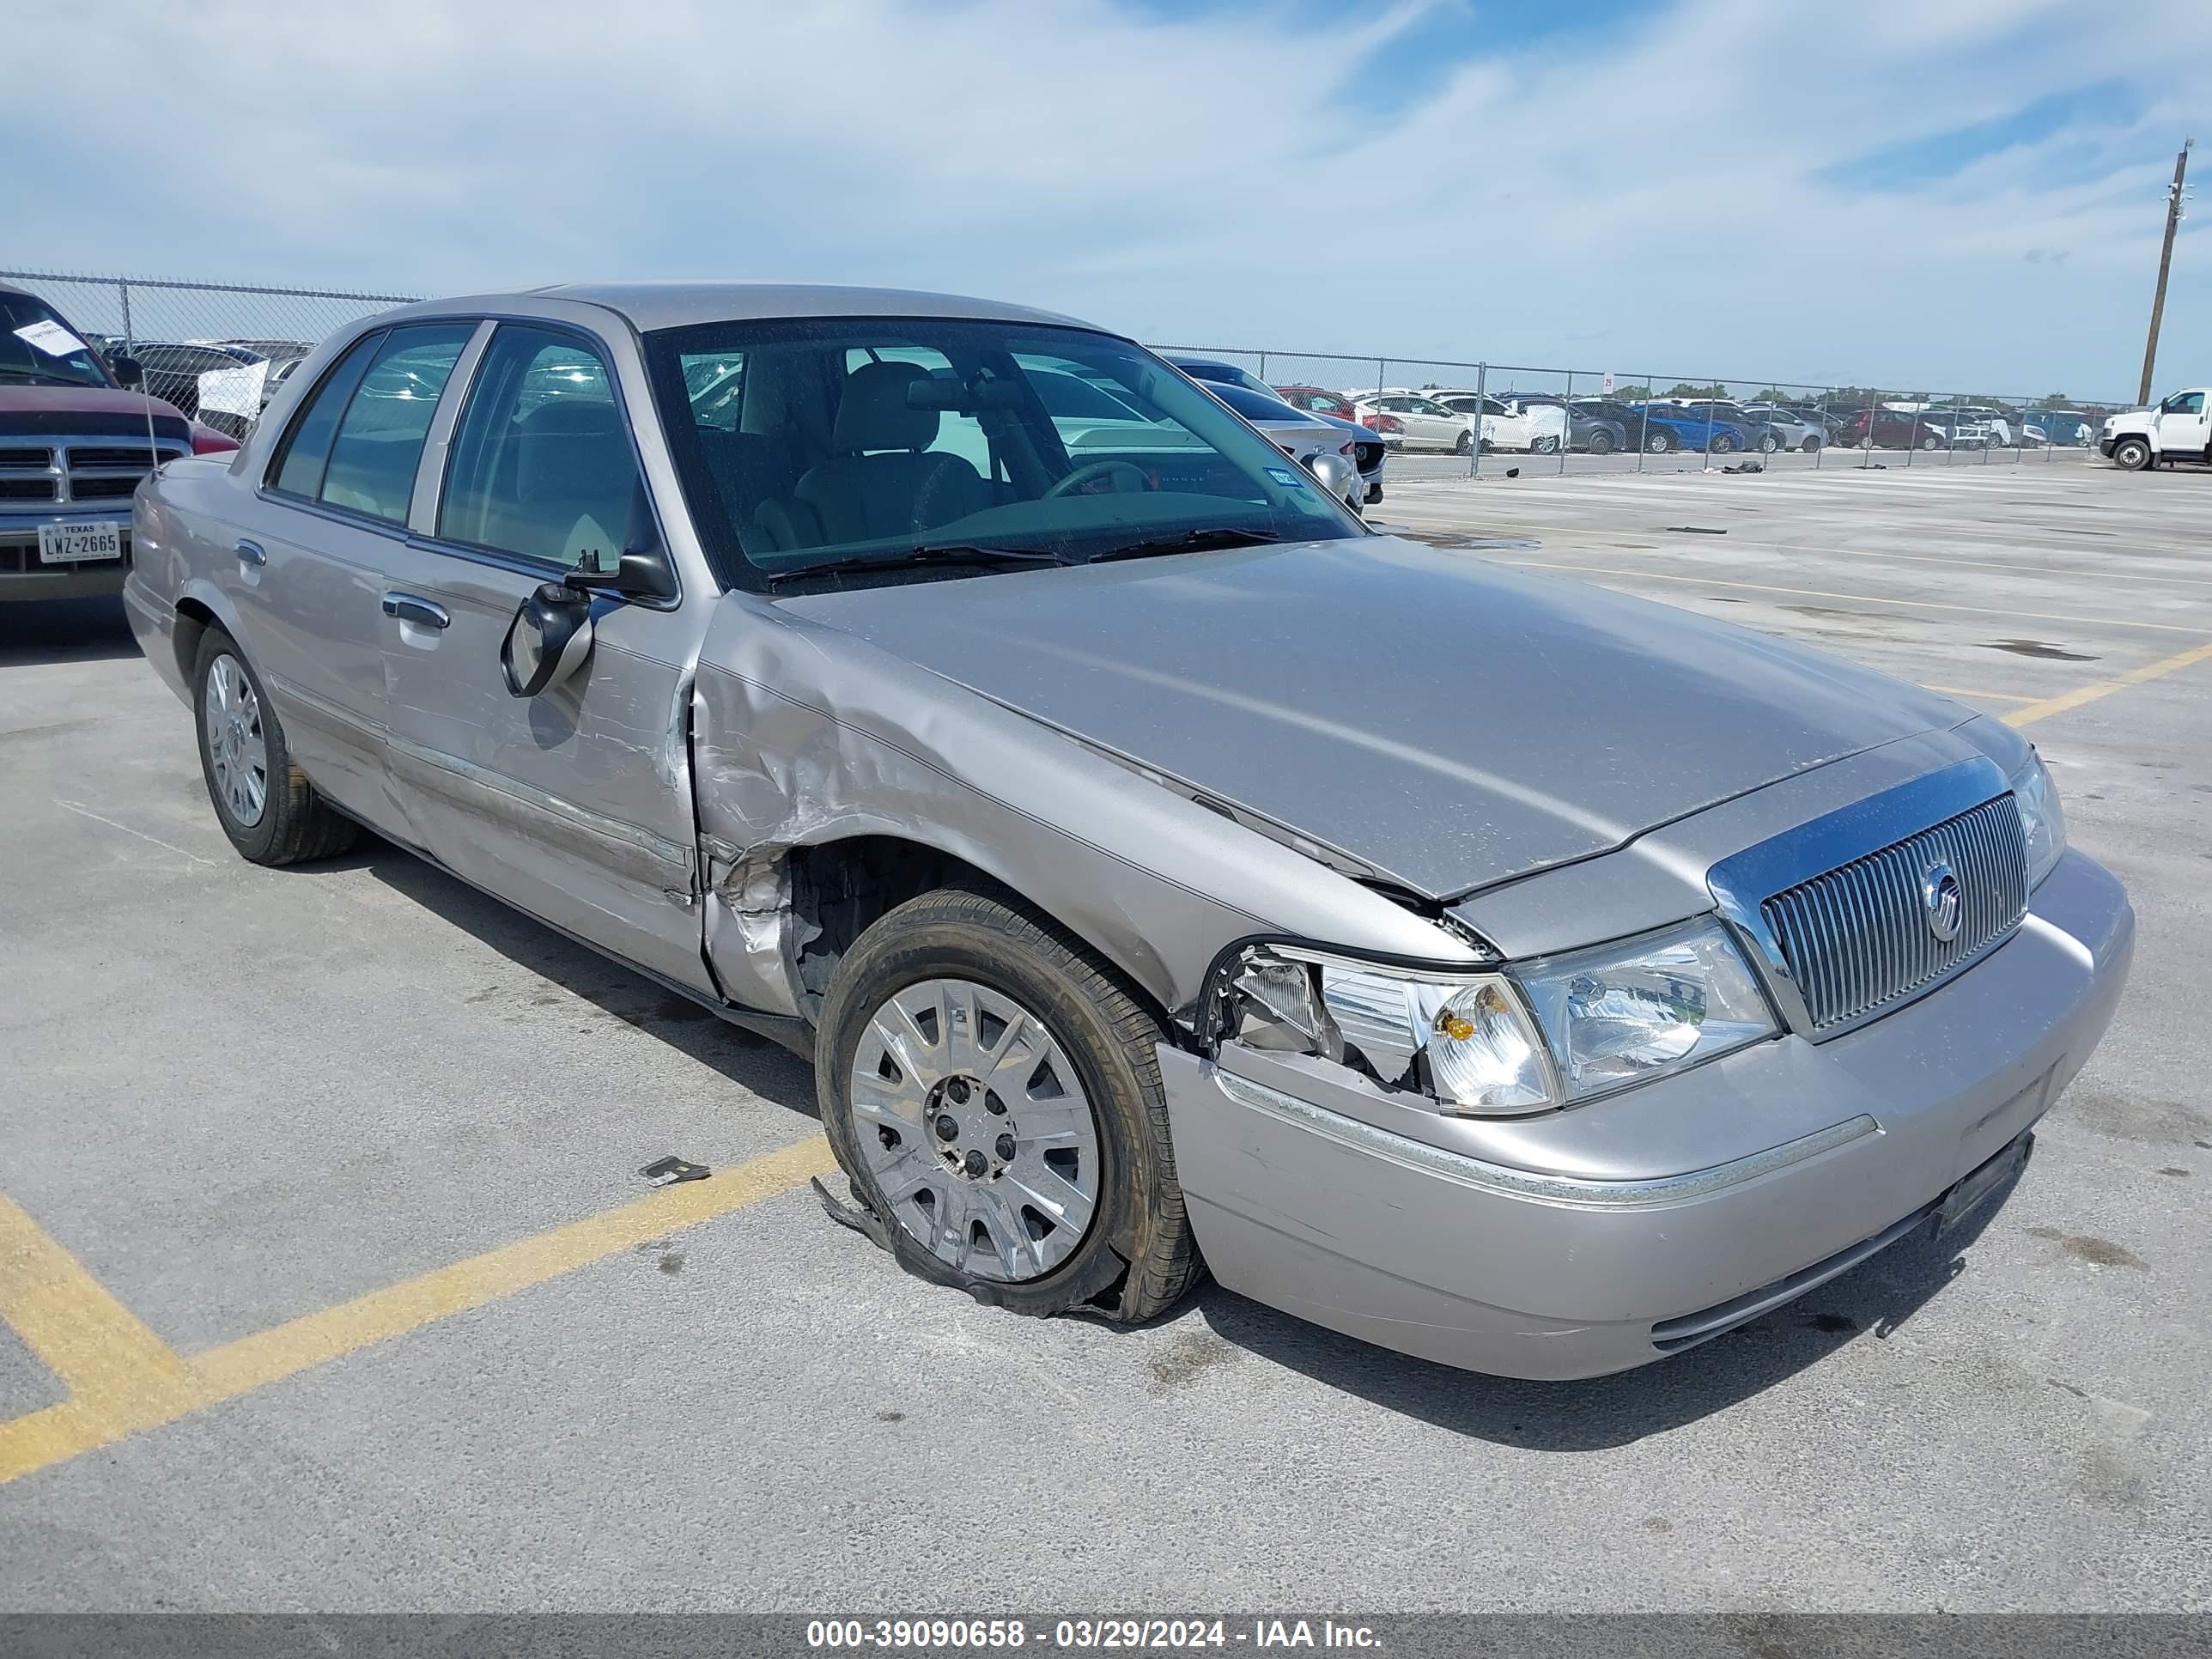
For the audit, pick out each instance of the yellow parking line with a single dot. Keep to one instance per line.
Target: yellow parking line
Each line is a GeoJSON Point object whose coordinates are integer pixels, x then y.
{"type": "Point", "coordinates": [1993, 696]}
{"type": "Point", "coordinates": [2096, 688]}
{"type": "Point", "coordinates": [123, 1379]}
{"type": "Point", "coordinates": [1858, 599]}
{"type": "Point", "coordinates": [119, 1375]}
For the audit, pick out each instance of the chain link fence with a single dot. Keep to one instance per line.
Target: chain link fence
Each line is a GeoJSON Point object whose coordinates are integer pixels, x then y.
{"type": "Point", "coordinates": [220, 350]}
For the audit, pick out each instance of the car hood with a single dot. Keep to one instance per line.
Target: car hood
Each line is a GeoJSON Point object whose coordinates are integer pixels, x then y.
{"type": "Point", "coordinates": [1447, 721]}
{"type": "Point", "coordinates": [85, 410]}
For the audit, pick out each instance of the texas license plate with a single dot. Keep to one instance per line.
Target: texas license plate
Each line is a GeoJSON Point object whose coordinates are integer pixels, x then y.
{"type": "Point", "coordinates": [74, 543]}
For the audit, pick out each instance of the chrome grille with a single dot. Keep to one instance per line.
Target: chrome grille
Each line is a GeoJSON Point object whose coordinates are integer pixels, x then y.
{"type": "Point", "coordinates": [110, 471]}
{"type": "Point", "coordinates": [1858, 937]}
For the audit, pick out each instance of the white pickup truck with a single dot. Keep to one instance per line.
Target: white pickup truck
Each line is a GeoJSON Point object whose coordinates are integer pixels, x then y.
{"type": "Point", "coordinates": [2178, 429]}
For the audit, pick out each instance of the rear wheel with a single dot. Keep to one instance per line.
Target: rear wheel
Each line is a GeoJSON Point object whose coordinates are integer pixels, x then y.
{"type": "Point", "coordinates": [994, 1096]}
{"type": "Point", "coordinates": [1768, 443]}
{"type": "Point", "coordinates": [1545, 446]}
{"type": "Point", "coordinates": [265, 804]}
{"type": "Point", "coordinates": [2131, 454]}
{"type": "Point", "coordinates": [1929, 441]}
{"type": "Point", "coordinates": [1600, 442]}
{"type": "Point", "coordinates": [1658, 443]}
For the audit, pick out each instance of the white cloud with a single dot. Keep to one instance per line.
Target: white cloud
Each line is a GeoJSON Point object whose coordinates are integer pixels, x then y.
{"type": "Point", "coordinates": [1644, 196]}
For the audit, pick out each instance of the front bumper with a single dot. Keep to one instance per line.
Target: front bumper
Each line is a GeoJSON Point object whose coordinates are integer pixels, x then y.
{"type": "Point", "coordinates": [1560, 1260]}
{"type": "Point", "coordinates": [2106, 446]}
{"type": "Point", "coordinates": [22, 576]}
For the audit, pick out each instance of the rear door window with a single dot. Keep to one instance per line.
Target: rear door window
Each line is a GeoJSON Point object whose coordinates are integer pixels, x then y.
{"type": "Point", "coordinates": [380, 440]}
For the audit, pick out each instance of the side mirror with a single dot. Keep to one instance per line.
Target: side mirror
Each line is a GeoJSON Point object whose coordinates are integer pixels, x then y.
{"type": "Point", "coordinates": [129, 371]}
{"type": "Point", "coordinates": [548, 639]}
{"type": "Point", "coordinates": [1334, 474]}
{"type": "Point", "coordinates": [640, 574]}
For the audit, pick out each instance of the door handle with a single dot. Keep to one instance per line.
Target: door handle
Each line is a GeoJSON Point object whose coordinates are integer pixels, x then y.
{"type": "Point", "coordinates": [251, 553]}
{"type": "Point", "coordinates": [408, 608]}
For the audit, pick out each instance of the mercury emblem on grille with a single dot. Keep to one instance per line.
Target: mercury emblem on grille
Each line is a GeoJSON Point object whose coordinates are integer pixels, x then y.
{"type": "Point", "coordinates": [1939, 895]}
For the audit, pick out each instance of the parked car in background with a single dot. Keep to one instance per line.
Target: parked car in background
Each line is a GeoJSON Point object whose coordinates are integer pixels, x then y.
{"type": "Point", "coordinates": [1748, 431]}
{"type": "Point", "coordinates": [1794, 430]}
{"type": "Point", "coordinates": [1365, 448]}
{"type": "Point", "coordinates": [1506, 423]}
{"type": "Point", "coordinates": [174, 367]}
{"type": "Point", "coordinates": [1223, 374]}
{"type": "Point", "coordinates": [74, 441]}
{"type": "Point", "coordinates": [1423, 422]}
{"type": "Point", "coordinates": [1532, 420]}
{"type": "Point", "coordinates": [1305, 438]}
{"type": "Point", "coordinates": [2065, 427]}
{"type": "Point", "coordinates": [1617, 410]}
{"type": "Point", "coordinates": [232, 399]}
{"type": "Point", "coordinates": [1883, 428]}
{"type": "Point", "coordinates": [1666, 427]}
{"type": "Point", "coordinates": [1315, 401]}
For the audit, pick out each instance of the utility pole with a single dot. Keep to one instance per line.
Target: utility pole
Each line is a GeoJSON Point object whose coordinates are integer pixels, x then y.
{"type": "Point", "coordinates": [2164, 264]}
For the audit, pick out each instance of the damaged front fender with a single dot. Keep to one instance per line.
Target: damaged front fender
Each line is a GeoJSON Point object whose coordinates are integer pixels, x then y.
{"type": "Point", "coordinates": [805, 735]}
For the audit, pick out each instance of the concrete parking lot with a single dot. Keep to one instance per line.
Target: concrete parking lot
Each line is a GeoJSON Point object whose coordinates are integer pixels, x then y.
{"type": "Point", "coordinates": [328, 1281]}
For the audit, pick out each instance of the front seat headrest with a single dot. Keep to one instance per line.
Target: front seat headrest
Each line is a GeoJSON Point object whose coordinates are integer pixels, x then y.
{"type": "Point", "coordinates": [874, 413]}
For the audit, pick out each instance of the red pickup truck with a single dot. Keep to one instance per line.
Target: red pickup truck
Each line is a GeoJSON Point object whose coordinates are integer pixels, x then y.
{"type": "Point", "coordinates": [75, 440]}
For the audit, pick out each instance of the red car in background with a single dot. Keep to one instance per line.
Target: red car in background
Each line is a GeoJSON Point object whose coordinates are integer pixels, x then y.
{"type": "Point", "coordinates": [75, 440]}
{"type": "Point", "coordinates": [1315, 401]}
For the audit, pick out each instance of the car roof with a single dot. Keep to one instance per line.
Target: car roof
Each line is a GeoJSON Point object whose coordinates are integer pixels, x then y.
{"type": "Point", "coordinates": [650, 306]}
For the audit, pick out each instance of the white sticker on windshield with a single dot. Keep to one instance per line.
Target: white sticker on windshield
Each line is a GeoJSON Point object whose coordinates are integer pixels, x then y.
{"type": "Point", "coordinates": [1283, 475]}
{"type": "Point", "coordinates": [51, 337]}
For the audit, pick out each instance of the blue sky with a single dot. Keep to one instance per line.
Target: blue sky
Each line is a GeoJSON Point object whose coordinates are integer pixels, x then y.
{"type": "Point", "coordinates": [1922, 193]}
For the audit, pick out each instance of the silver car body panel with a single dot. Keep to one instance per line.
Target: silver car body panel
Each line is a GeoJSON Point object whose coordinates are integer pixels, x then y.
{"type": "Point", "coordinates": [1372, 663]}
{"type": "Point", "coordinates": [1368, 744]}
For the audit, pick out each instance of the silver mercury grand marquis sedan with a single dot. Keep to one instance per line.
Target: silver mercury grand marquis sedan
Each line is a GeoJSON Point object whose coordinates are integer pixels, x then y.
{"type": "Point", "coordinates": [1161, 868]}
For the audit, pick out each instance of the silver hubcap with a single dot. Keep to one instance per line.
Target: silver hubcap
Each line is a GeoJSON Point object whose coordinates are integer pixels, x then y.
{"type": "Point", "coordinates": [237, 750]}
{"type": "Point", "coordinates": [976, 1128]}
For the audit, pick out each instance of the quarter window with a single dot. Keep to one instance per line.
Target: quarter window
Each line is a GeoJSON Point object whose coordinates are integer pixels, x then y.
{"type": "Point", "coordinates": [542, 462]}
{"type": "Point", "coordinates": [380, 441]}
{"type": "Point", "coordinates": [306, 448]}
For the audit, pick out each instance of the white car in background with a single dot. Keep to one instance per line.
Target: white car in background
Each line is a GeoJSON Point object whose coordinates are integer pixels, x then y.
{"type": "Point", "coordinates": [1427, 424]}
{"type": "Point", "coordinates": [1509, 424]}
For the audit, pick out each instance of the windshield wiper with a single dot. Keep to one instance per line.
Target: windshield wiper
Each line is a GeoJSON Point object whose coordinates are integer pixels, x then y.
{"type": "Point", "coordinates": [933, 554]}
{"type": "Point", "coordinates": [1187, 541]}
{"type": "Point", "coordinates": [31, 376]}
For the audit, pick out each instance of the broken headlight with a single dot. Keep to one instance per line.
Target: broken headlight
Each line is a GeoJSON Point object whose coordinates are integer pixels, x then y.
{"type": "Point", "coordinates": [1541, 1034]}
{"type": "Point", "coordinates": [1465, 1039]}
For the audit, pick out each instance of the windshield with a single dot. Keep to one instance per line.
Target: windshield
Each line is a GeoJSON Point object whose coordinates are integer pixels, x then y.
{"type": "Point", "coordinates": [38, 349]}
{"type": "Point", "coordinates": [805, 444]}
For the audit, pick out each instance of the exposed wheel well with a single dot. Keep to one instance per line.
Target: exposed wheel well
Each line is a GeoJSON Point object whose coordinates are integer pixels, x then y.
{"type": "Point", "coordinates": [840, 888]}
{"type": "Point", "coordinates": [193, 620]}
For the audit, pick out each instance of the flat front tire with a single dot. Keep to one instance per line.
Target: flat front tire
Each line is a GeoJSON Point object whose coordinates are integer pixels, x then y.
{"type": "Point", "coordinates": [992, 1094]}
{"type": "Point", "coordinates": [265, 804]}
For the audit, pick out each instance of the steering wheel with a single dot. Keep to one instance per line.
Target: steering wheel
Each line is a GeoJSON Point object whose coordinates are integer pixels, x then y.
{"type": "Point", "coordinates": [1118, 471]}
